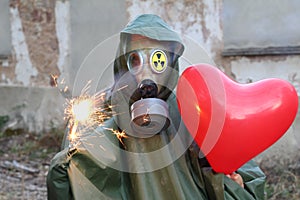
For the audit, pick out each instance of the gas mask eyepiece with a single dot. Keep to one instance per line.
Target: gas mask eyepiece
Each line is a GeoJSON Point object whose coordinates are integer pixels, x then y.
{"type": "Point", "coordinates": [156, 58]}
{"type": "Point", "coordinates": [149, 115]}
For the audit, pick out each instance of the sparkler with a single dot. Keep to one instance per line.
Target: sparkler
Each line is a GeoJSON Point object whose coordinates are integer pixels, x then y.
{"type": "Point", "coordinates": [85, 112]}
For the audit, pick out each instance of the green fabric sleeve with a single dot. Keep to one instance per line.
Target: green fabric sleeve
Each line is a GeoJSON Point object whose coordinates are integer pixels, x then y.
{"type": "Point", "coordinates": [58, 185]}
{"type": "Point", "coordinates": [254, 179]}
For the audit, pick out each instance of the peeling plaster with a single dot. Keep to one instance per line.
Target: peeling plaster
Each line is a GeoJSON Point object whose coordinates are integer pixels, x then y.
{"type": "Point", "coordinates": [199, 20]}
{"type": "Point", "coordinates": [24, 69]}
{"type": "Point", "coordinates": [5, 79]}
{"type": "Point", "coordinates": [208, 21]}
{"type": "Point", "coordinates": [62, 16]}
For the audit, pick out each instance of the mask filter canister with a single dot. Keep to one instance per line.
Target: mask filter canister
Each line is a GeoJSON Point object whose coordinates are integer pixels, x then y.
{"type": "Point", "coordinates": [149, 115]}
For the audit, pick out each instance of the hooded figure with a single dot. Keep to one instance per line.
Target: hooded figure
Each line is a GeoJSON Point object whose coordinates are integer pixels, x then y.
{"type": "Point", "coordinates": [158, 159]}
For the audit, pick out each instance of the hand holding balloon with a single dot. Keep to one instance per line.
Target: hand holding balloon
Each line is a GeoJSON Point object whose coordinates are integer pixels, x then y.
{"type": "Point", "coordinates": [231, 122]}
{"type": "Point", "coordinates": [236, 178]}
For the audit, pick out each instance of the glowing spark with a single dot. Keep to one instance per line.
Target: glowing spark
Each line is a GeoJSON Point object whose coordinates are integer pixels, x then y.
{"type": "Point", "coordinates": [118, 134]}
{"type": "Point", "coordinates": [85, 112]}
{"type": "Point", "coordinates": [73, 135]}
{"type": "Point", "coordinates": [53, 80]}
{"type": "Point", "coordinates": [82, 110]}
{"type": "Point", "coordinates": [61, 85]}
{"type": "Point", "coordinates": [66, 89]}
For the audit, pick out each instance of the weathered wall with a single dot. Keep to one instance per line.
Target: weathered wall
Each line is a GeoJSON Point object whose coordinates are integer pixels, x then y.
{"type": "Point", "coordinates": [202, 21]}
{"type": "Point", "coordinates": [50, 37]}
{"type": "Point", "coordinates": [35, 46]}
{"type": "Point", "coordinates": [36, 54]}
{"type": "Point", "coordinates": [47, 36]}
{"type": "Point", "coordinates": [34, 109]}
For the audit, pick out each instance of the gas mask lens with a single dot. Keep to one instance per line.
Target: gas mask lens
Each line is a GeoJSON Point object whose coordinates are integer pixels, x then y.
{"type": "Point", "coordinates": [158, 60]}
{"type": "Point", "coordinates": [135, 62]}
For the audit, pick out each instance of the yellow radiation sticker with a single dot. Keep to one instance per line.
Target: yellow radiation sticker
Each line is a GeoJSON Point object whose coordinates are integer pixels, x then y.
{"type": "Point", "coordinates": [159, 61]}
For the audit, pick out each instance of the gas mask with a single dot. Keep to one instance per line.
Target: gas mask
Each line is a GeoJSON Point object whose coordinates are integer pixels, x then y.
{"type": "Point", "coordinates": [149, 113]}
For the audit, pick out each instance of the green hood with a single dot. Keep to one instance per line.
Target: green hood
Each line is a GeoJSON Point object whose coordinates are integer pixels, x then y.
{"type": "Point", "coordinates": [153, 27]}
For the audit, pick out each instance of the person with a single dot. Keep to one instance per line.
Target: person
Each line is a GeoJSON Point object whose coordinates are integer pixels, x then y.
{"type": "Point", "coordinates": [158, 158]}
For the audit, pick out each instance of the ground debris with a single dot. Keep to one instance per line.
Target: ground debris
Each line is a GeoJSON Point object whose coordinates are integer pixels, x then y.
{"type": "Point", "coordinates": [24, 164]}
{"type": "Point", "coordinates": [283, 177]}
{"type": "Point", "coordinates": [18, 166]}
{"type": "Point", "coordinates": [25, 160]}
{"type": "Point", "coordinates": [22, 185]}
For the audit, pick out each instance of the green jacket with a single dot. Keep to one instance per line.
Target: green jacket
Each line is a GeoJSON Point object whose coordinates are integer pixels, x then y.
{"type": "Point", "coordinates": [102, 167]}
{"type": "Point", "coordinates": [89, 172]}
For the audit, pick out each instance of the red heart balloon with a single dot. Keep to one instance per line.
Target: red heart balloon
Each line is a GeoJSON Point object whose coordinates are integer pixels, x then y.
{"type": "Point", "coordinates": [231, 122]}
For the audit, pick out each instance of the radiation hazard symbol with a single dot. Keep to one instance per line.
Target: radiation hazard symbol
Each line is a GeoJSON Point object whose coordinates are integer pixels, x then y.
{"type": "Point", "coordinates": [159, 61]}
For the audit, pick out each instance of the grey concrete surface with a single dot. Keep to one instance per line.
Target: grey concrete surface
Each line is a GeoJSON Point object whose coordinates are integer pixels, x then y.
{"type": "Point", "coordinates": [32, 108]}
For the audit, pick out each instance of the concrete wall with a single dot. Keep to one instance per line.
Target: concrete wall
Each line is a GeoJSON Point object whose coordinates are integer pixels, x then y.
{"type": "Point", "coordinates": [34, 109]}
{"type": "Point", "coordinates": [260, 24]}
{"type": "Point", "coordinates": [93, 23]}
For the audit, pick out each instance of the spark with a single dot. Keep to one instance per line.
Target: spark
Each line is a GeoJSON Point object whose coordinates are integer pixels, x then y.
{"type": "Point", "coordinates": [85, 112]}
{"type": "Point", "coordinates": [55, 81]}
{"type": "Point", "coordinates": [118, 134]}
{"type": "Point", "coordinates": [72, 135]}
